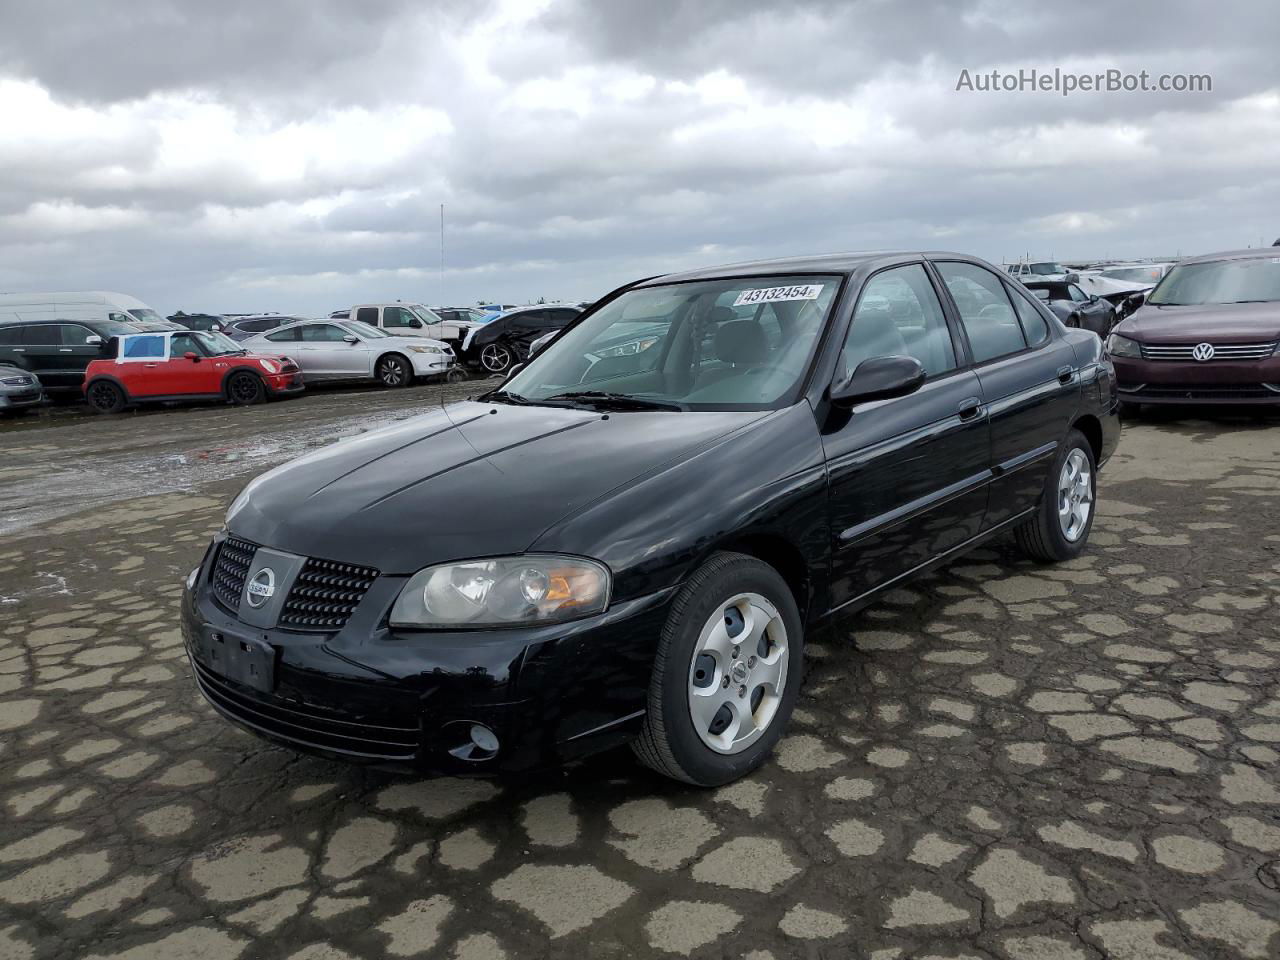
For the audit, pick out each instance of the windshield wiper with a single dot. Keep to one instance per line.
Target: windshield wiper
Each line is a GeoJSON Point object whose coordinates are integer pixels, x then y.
{"type": "Point", "coordinates": [504, 396]}
{"type": "Point", "coordinates": [1251, 301]}
{"type": "Point", "coordinates": [615, 401]}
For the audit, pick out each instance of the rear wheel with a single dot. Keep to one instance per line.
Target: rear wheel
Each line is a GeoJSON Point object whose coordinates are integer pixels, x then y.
{"type": "Point", "coordinates": [394, 371]}
{"type": "Point", "coordinates": [104, 396]}
{"type": "Point", "coordinates": [496, 357]}
{"type": "Point", "coordinates": [726, 674]}
{"type": "Point", "coordinates": [1059, 529]}
{"type": "Point", "coordinates": [245, 389]}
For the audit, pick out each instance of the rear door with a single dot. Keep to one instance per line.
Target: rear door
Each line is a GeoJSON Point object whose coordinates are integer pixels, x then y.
{"type": "Point", "coordinates": [40, 348]}
{"type": "Point", "coordinates": [908, 476]}
{"type": "Point", "coordinates": [1029, 376]}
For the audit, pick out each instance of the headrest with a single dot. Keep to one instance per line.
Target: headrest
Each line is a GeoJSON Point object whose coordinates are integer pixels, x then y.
{"type": "Point", "coordinates": [741, 341]}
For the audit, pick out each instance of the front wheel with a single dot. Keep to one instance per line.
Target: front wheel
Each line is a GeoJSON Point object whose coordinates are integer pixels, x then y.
{"type": "Point", "coordinates": [496, 357]}
{"type": "Point", "coordinates": [394, 371]}
{"type": "Point", "coordinates": [246, 389]}
{"type": "Point", "coordinates": [726, 674]}
{"type": "Point", "coordinates": [105, 397]}
{"type": "Point", "coordinates": [1059, 529]}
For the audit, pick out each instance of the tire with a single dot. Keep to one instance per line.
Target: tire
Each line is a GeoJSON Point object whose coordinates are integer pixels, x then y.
{"type": "Point", "coordinates": [1048, 537]}
{"type": "Point", "coordinates": [245, 389]}
{"type": "Point", "coordinates": [103, 396]}
{"type": "Point", "coordinates": [1129, 410]}
{"type": "Point", "coordinates": [670, 742]}
{"type": "Point", "coordinates": [496, 357]}
{"type": "Point", "coordinates": [394, 371]}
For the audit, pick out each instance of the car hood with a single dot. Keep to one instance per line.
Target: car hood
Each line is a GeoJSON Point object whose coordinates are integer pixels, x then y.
{"type": "Point", "coordinates": [468, 480]}
{"type": "Point", "coordinates": [1216, 322]}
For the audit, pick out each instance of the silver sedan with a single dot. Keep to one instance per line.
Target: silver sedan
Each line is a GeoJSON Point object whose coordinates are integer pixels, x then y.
{"type": "Point", "coordinates": [351, 350]}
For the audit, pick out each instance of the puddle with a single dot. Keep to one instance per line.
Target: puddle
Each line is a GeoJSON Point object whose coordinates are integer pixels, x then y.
{"type": "Point", "coordinates": [67, 483]}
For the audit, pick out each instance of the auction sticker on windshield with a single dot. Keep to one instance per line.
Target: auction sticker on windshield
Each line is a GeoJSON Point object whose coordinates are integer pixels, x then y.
{"type": "Point", "coordinates": [805, 291]}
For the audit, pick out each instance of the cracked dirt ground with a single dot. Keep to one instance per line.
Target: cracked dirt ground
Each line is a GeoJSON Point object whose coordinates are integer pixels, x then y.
{"type": "Point", "coordinates": [1002, 761]}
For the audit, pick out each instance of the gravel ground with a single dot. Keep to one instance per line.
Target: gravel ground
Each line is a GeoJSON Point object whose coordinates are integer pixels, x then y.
{"type": "Point", "coordinates": [1001, 761]}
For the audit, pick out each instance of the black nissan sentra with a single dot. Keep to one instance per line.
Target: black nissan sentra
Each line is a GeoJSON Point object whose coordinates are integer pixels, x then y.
{"type": "Point", "coordinates": [631, 544]}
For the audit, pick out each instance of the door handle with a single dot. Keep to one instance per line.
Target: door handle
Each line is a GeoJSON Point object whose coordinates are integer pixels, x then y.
{"type": "Point", "coordinates": [969, 408]}
{"type": "Point", "coordinates": [19, 349]}
{"type": "Point", "coordinates": [1066, 374]}
{"type": "Point", "coordinates": [64, 350]}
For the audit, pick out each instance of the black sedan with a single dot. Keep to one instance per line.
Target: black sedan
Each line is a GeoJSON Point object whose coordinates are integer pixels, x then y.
{"type": "Point", "coordinates": [1073, 306]}
{"type": "Point", "coordinates": [503, 342]}
{"type": "Point", "coordinates": [636, 549]}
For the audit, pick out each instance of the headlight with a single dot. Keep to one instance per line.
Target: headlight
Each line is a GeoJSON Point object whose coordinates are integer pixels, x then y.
{"type": "Point", "coordinates": [426, 349]}
{"type": "Point", "coordinates": [503, 592]}
{"type": "Point", "coordinates": [1119, 346]}
{"type": "Point", "coordinates": [629, 349]}
{"type": "Point", "coordinates": [270, 366]}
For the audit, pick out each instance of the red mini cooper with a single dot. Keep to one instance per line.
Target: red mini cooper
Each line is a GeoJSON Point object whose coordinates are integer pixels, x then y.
{"type": "Point", "coordinates": [184, 365]}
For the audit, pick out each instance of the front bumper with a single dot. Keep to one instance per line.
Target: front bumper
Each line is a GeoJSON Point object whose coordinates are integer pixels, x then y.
{"type": "Point", "coordinates": [19, 399]}
{"type": "Point", "coordinates": [284, 384]}
{"type": "Point", "coordinates": [432, 364]}
{"type": "Point", "coordinates": [1225, 382]}
{"type": "Point", "coordinates": [407, 700]}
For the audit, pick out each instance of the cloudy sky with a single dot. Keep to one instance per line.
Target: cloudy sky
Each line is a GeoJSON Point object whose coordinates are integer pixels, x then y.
{"type": "Point", "coordinates": [293, 154]}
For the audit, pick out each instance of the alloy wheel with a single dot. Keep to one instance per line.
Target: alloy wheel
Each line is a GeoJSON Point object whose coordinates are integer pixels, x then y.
{"type": "Point", "coordinates": [495, 358]}
{"type": "Point", "coordinates": [391, 373]}
{"type": "Point", "coordinates": [1075, 495]}
{"type": "Point", "coordinates": [103, 396]}
{"type": "Point", "coordinates": [738, 673]}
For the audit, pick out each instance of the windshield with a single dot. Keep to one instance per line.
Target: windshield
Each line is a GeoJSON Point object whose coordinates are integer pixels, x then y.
{"type": "Point", "coordinates": [1220, 281]}
{"type": "Point", "coordinates": [423, 314]}
{"type": "Point", "coordinates": [146, 315]}
{"type": "Point", "coordinates": [368, 331]}
{"type": "Point", "coordinates": [217, 344]}
{"type": "Point", "coordinates": [734, 344]}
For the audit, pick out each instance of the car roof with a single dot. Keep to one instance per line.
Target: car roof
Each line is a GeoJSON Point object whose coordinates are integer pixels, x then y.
{"type": "Point", "coordinates": [842, 263]}
{"type": "Point", "coordinates": [1251, 253]}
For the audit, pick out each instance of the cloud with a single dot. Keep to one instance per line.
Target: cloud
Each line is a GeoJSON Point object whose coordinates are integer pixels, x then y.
{"type": "Point", "coordinates": [295, 155]}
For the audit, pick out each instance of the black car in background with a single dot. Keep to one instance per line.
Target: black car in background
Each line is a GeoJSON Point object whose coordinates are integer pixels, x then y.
{"type": "Point", "coordinates": [58, 351]}
{"type": "Point", "coordinates": [1073, 306]}
{"type": "Point", "coordinates": [504, 341]}
{"type": "Point", "coordinates": [215, 322]}
{"type": "Point", "coordinates": [569, 563]}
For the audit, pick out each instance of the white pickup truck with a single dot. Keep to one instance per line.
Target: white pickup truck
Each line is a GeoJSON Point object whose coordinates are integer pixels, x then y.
{"type": "Point", "coordinates": [411, 320]}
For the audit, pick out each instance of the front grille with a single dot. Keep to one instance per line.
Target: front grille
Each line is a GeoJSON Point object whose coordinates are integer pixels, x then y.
{"type": "Point", "coordinates": [309, 725]}
{"type": "Point", "coordinates": [1210, 391]}
{"type": "Point", "coordinates": [229, 570]}
{"type": "Point", "coordinates": [16, 381]}
{"type": "Point", "coordinates": [325, 595]}
{"type": "Point", "coordinates": [1221, 351]}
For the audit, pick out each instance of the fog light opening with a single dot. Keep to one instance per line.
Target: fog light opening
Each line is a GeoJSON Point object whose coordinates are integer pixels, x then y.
{"type": "Point", "coordinates": [478, 742]}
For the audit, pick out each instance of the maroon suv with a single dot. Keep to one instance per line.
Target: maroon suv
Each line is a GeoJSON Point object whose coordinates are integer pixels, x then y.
{"type": "Point", "coordinates": [1208, 333]}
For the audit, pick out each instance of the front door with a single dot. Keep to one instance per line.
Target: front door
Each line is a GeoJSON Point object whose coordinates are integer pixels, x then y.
{"type": "Point", "coordinates": [326, 354]}
{"type": "Point", "coordinates": [1029, 379]}
{"type": "Point", "coordinates": [908, 476]}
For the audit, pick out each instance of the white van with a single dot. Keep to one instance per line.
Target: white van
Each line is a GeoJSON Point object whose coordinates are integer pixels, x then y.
{"type": "Point", "coordinates": [83, 305]}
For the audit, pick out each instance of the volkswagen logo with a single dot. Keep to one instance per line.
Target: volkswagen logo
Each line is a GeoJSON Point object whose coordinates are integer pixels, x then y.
{"type": "Point", "coordinates": [1202, 351]}
{"type": "Point", "coordinates": [261, 588]}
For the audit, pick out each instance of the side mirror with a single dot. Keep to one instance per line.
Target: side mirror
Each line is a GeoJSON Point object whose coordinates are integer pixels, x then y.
{"type": "Point", "coordinates": [350, 338]}
{"type": "Point", "coordinates": [93, 340]}
{"type": "Point", "coordinates": [1094, 298]}
{"type": "Point", "coordinates": [193, 357]}
{"type": "Point", "coordinates": [515, 368]}
{"type": "Point", "coordinates": [880, 378]}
